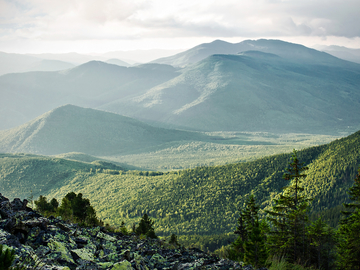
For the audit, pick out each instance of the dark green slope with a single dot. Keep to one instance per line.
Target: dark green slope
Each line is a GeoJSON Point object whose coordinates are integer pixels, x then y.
{"type": "Point", "coordinates": [253, 91]}
{"type": "Point", "coordinates": [205, 200]}
{"type": "Point", "coordinates": [23, 175]}
{"type": "Point", "coordinates": [74, 129]}
{"type": "Point", "coordinates": [25, 96]}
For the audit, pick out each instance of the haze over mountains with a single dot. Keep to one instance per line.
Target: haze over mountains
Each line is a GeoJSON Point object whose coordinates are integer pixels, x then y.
{"type": "Point", "coordinates": [188, 111]}
{"type": "Point", "coordinates": [289, 51]}
{"type": "Point", "coordinates": [263, 85]}
{"type": "Point", "coordinates": [348, 54]}
{"type": "Point", "coordinates": [25, 96]}
{"type": "Point", "coordinates": [14, 63]}
{"type": "Point", "coordinates": [253, 91]}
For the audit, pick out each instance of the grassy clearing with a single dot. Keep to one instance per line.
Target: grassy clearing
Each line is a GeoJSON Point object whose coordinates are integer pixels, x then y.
{"type": "Point", "coordinates": [224, 148]}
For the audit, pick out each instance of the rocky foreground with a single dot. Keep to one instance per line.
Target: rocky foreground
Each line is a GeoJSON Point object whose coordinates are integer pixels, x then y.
{"type": "Point", "coordinates": [51, 243]}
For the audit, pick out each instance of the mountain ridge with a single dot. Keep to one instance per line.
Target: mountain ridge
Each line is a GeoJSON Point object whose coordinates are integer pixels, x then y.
{"type": "Point", "coordinates": [71, 128]}
{"type": "Point", "coordinates": [252, 91]}
{"type": "Point", "coordinates": [301, 90]}
{"type": "Point", "coordinates": [291, 51]}
{"type": "Point", "coordinates": [28, 95]}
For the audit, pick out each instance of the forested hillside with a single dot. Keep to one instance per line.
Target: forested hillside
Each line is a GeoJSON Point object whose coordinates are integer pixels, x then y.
{"type": "Point", "coordinates": [203, 201]}
{"type": "Point", "coordinates": [26, 175]}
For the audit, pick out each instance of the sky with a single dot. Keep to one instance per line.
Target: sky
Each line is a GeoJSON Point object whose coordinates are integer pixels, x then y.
{"type": "Point", "coordinates": [99, 26]}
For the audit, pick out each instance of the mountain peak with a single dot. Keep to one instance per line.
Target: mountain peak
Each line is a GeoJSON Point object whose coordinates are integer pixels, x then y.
{"type": "Point", "coordinates": [71, 128]}
{"type": "Point", "coordinates": [290, 51]}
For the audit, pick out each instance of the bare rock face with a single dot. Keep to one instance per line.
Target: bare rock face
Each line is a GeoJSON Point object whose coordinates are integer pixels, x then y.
{"type": "Point", "coordinates": [51, 243]}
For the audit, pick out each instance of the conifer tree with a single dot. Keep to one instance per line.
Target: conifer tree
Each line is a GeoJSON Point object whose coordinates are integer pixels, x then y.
{"type": "Point", "coordinates": [289, 215]}
{"type": "Point", "coordinates": [146, 227]}
{"type": "Point", "coordinates": [255, 247]}
{"type": "Point", "coordinates": [43, 206]}
{"type": "Point", "coordinates": [173, 240]}
{"type": "Point", "coordinates": [78, 209]}
{"type": "Point", "coordinates": [7, 257]}
{"type": "Point", "coordinates": [250, 245]}
{"type": "Point", "coordinates": [349, 243]}
{"type": "Point", "coordinates": [322, 242]}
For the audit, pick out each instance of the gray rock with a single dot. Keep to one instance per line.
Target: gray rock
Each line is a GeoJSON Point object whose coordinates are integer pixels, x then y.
{"type": "Point", "coordinates": [60, 245]}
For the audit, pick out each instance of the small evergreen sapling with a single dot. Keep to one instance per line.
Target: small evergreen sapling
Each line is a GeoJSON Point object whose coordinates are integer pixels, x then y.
{"type": "Point", "coordinates": [146, 227]}
{"type": "Point", "coordinates": [173, 240]}
{"type": "Point", "coordinates": [7, 257]}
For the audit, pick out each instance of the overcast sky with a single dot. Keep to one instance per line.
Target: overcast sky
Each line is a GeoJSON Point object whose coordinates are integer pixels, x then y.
{"type": "Point", "coordinates": [108, 25]}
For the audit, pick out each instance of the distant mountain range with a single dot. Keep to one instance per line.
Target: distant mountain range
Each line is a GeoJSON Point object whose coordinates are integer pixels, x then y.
{"type": "Point", "coordinates": [25, 96]}
{"type": "Point", "coordinates": [290, 51]}
{"type": "Point", "coordinates": [74, 129]}
{"type": "Point", "coordinates": [14, 63]}
{"type": "Point", "coordinates": [262, 85]}
{"type": "Point", "coordinates": [253, 91]}
{"type": "Point", "coordinates": [348, 54]}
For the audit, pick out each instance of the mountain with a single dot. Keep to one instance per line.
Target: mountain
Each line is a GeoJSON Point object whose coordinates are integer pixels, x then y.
{"type": "Point", "coordinates": [74, 129]}
{"type": "Point", "coordinates": [254, 91]}
{"type": "Point", "coordinates": [348, 54]}
{"type": "Point", "coordinates": [118, 62]}
{"type": "Point", "coordinates": [49, 65]}
{"type": "Point", "coordinates": [140, 56]}
{"type": "Point", "coordinates": [290, 51]}
{"type": "Point", "coordinates": [23, 175]}
{"type": "Point", "coordinates": [12, 62]}
{"type": "Point", "coordinates": [72, 57]}
{"type": "Point", "coordinates": [25, 96]}
{"type": "Point", "coordinates": [15, 63]}
{"type": "Point", "coordinates": [275, 87]}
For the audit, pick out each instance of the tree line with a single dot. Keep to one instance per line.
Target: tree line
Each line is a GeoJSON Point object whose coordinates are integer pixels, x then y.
{"type": "Point", "coordinates": [285, 233]}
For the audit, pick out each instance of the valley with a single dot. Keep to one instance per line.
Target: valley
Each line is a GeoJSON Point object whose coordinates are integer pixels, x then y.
{"type": "Point", "coordinates": [228, 147]}
{"type": "Point", "coordinates": [186, 139]}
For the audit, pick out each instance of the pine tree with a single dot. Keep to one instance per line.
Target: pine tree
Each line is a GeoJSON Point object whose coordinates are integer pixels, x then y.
{"type": "Point", "coordinates": [146, 227]}
{"type": "Point", "coordinates": [7, 256]}
{"type": "Point", "coordinates": [42, 205]}
{"type": "Point", "coordinates": [250, 245]}
{"type": "Point", "coordinates": [173, 240]}
{"type": "Point", "coordinates": [322, 242]}
{"type": "Point", "coordinates": [78, 209]}
{"type": "Point", "coordinates": [255, 247]}
{"type": "Point", "coordinates": [289, 215]}
{"type": "Point", "coordinates": [349, 232]}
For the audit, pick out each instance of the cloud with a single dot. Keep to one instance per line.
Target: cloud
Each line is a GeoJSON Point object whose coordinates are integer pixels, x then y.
{"type": "Point", "coordinates": [138, 19]}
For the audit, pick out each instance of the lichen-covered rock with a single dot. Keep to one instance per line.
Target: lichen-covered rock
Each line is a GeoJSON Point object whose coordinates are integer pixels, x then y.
{"type": "Point", "coordinates": [124, 265]}
{"type": "Point", "coordinates": [59, 251]}
{"type": "Point", "coordinates": [54, 244]}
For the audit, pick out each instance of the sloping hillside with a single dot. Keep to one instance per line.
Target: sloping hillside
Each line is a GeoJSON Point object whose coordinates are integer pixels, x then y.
{"type": "Point", "coordinates": [205, 200]}
{"type": "Point", "coordinates": [290, 51]}
{"type": "Point", "coordinates": [74, 129]}
{"type": "Point", "coordinates": [26, 175]}
{"type": "Point", "coordinates": [25, 96]}
{"type": "Point", "coordinates": [253, 91]}
{"type": "Point", "coordinates": [276, 86]}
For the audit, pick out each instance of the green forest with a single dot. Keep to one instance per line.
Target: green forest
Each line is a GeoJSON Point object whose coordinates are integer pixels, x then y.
{"type": "Point", "coordinates": [201, 205]}
{"type": "Point", "coordinates": [283, 238]}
